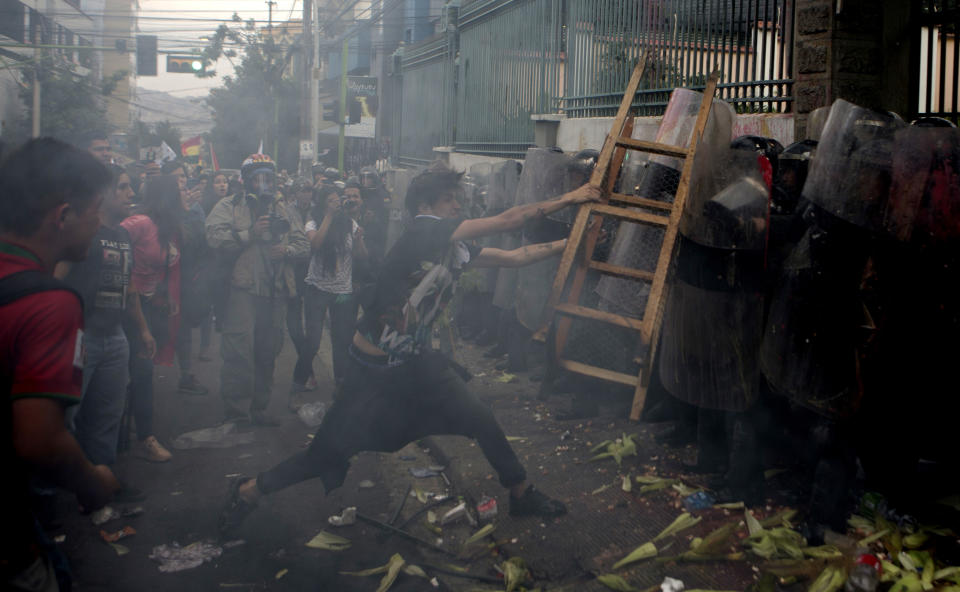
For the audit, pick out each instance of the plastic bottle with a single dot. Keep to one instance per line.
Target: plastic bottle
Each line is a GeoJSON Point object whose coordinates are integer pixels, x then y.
{"type": "Point", "coordinates": [865, 575]}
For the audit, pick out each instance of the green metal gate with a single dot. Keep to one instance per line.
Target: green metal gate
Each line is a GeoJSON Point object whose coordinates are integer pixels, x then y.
{"type": "Point", "coordinates": [509, 68]}
{"type": "Point", "coordinates": [426, 112]}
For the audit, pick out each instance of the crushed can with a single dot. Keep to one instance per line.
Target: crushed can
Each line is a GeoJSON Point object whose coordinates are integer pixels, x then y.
{"type": "Point", "coordinates": [700, 500]}
{"type": "Point", "coordinates": [487, 509]}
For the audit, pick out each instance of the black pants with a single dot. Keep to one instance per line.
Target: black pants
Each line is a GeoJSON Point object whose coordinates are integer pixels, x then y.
{"type": "Point", "coordinates": [343, 319]}
{"type": "Point", "coordinates": [383, 409]}
{"type": "Point", "coordinates": [296, 327]}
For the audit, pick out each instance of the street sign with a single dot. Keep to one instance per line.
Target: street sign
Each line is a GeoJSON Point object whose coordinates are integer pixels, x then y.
{"type": "Point", "coordinates": [306, 150]}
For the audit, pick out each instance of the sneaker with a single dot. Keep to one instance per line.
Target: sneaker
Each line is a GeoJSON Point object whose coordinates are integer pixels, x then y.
{"type": "Point", "coordinates": [236, 508]}
{"type": "Point", "coordinates": [311, 384]}
{"type": "Point", "coordinates": [189, 385]}
{"type": "Point", "coordinates": [296, 387]}
{"type": "Point", "coordinates": [127, 494]}
{"type": "Point", "coordinates": [260, 418]}
{"type": "Point", "coordinates": [534, 503]}
{"type": "Point", "coordinates": [152, 450]}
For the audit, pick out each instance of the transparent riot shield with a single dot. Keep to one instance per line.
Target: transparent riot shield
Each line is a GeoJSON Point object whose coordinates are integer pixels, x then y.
{"type": "Point", "coordinates": [656, 177]}
{"type": "Point", "coordinates": [476, 185]}
{"type": "Point", "coordinates": [851, 175]}
{"type": "Point", "coordinates": [924, 204]}
{"type": "Point", "coordinates": [809, 345]}
{"type": "Point", "coordinates": [547, 174]}
{"type": "Point", "coordinates": [713, 327]}
{"type": "Point", "coordinates": [504, 196]}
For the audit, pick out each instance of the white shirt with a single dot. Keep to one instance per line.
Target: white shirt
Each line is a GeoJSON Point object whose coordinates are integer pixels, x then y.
{"type": "Point", "coordinates": [341, 281]}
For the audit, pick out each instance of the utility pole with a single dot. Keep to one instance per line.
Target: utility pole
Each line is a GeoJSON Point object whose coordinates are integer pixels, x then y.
{"type": "Point", "coordinates": [270, 4]}
{"type": "Point", "coordinates": [306, 82]}
{"type": "Point", "coordinates": [343, 104]}
{"type": "Point", "coordinates": [35, 128]}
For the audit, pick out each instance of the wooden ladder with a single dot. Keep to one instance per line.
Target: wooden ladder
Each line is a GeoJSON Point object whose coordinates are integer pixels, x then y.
{"type": "Point", "coordinates": [586, 231]}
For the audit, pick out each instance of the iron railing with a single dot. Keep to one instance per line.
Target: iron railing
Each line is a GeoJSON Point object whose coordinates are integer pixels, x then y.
{"type": "Point", "coordinates": [750, 41]}
{"type": "Point", "coordinates": [509, 68]}
{"type": "Point", "coordinates": [427, 103]}
{"type": "Point", "coordinates": [939, 58]}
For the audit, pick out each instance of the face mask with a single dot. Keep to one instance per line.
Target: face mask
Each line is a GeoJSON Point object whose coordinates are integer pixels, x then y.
{"type": "Point", "coordinates": [263, 185]}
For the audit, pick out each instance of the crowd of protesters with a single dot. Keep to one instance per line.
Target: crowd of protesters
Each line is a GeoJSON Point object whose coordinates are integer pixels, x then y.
{"type": "Point", "coordinates": [106, 272]}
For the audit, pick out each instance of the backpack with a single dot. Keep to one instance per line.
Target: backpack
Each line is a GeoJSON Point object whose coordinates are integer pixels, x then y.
{"type": "Point", "coordinates": [31, 281]}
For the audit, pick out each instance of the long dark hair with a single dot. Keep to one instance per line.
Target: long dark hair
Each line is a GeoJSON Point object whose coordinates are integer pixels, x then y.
{"type": "Point", "coordinates": [335, 242]}
{"type": "Point", "coordinates": [161, 202]}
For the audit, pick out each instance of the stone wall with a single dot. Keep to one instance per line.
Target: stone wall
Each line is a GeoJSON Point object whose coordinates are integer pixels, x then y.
{"type": "Point", "coordinates": [853, 50]}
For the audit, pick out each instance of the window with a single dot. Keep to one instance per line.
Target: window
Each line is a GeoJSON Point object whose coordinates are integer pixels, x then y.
{"type": "Point", "coordinates": [12, 20]}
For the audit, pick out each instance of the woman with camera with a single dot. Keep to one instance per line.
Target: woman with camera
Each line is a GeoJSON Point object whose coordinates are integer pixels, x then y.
{"type": "Point", "coordinates": [335, 241]}
{"type": "Point", "coordinates": [155, 238]}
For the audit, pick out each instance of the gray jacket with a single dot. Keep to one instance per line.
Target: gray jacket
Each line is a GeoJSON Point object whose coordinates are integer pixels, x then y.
{"type": "Point", "coordinates": [228, 230]}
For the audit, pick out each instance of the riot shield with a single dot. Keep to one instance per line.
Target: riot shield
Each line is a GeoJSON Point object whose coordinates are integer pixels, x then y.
{"type": "Point", "coordinates": [808, 352]}
{"type": "Point", "coordinates": [728, 203]}
{"type": "Point", "coordinates": [816, 121]}
{"type": "Point", "coordinates": [712, 328]}
{"type": "Point", "coordinates": [477, 184]}
{"type": "Point", "coordinates": [504, 190]}
{"type": "Point", "coordinates": [851, 175]}
{"type": "Point", "coordinates": [656, 177]}
{"type": "Point", "coordinates": [924, 205]}
{"type": "Point", "coordinates": [547, 174]}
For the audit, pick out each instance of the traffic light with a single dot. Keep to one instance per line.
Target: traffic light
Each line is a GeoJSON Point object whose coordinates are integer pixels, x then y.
{"type": "Point", "coordinates": [146, 55]}
{"type": "Point", "coordinates": [331, 111]}
{"type": "Point", "coordinates": [185, 64]}
{"type": "Point", "coordinates": [355, 111]}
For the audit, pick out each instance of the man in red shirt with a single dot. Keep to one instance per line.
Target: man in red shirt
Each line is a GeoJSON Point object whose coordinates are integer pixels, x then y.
{"type": "Point", "coordinates": [50, 194]}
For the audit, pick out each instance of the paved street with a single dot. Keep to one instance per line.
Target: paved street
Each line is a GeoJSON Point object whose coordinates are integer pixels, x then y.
{"type": "Point", "coordinates": [185, 495]}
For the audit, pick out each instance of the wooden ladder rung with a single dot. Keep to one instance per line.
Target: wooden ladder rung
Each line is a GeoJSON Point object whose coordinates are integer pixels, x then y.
{"type": "Point", "coordinates": [597, 372]}
{"type": "Point", "coordinates": [631, 215]}
{"type": "Point", "coordinates": [627, 272]}
{"type": "Point", "coordinates": [574, 310]}
{"type": "Point", "coordinates": [641, 201]}
{"type": "Point", "coordinates": [653, 147]}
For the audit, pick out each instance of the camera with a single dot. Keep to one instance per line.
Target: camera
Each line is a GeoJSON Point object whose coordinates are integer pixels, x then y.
{"type": "Point", "coordinates": [277, 224]}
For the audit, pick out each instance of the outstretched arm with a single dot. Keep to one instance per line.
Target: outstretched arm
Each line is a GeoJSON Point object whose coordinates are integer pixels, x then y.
{"type": "Point", "coordinates": [516, 216]}
{"type": "Point", "coordinates": [518, 257]}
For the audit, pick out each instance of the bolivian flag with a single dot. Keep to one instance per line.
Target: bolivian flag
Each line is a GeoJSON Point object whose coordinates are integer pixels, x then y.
{"type": "Point", "coordinates": [191, 147]}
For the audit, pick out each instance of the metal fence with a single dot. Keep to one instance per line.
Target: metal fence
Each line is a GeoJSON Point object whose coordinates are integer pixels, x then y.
{"type": "Point", "coordinates": [509, 68]}
{"type": "Point", "coordinates": [427, 102]}
{"type": "Point", "coordinates": [750, 41]}
{"type": "Point", "coordinates": [938, 77]}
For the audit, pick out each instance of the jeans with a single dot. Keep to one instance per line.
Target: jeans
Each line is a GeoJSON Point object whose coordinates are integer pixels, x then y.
{"type": "Point", "coordinates": [343, 320]}
{"type": "Point", "coordinates": [383, 409]}
{"type": "Point", "coordinates": [250, 342]}
{"type": "Point", "coordinates": [141, 390]}
{"type": "Point", "coordinates": [96, 420]}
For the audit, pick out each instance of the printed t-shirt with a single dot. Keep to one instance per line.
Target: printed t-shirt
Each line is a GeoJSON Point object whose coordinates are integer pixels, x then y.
{"type": "Point", "coordinates": [103, 280]}
{"type": "Point", "coordinates": [149, 256]}
{"type": "Point", "coordinates": [41, 355]}
{"type": "Point", "coordinates": [341, 281]}
{"type": "Point", "coordinates": [415, 284]}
